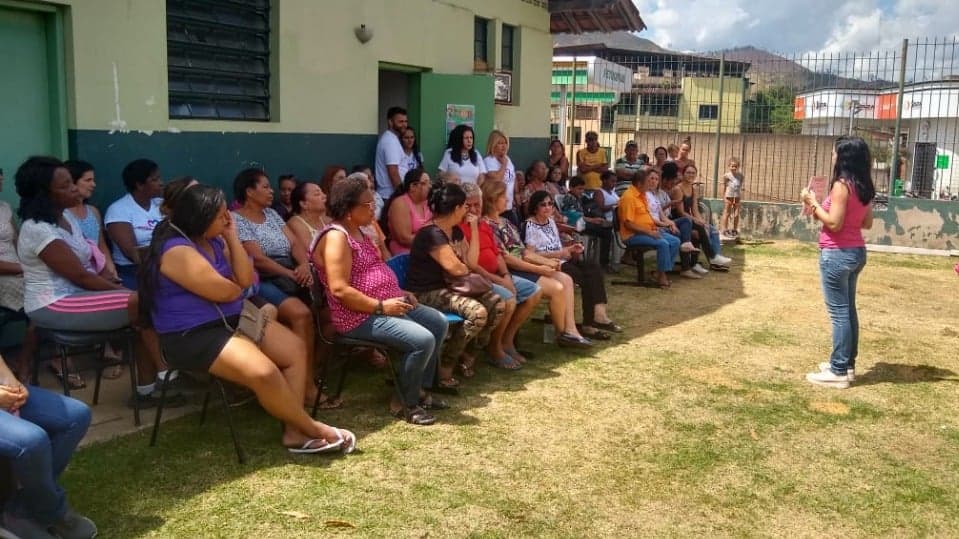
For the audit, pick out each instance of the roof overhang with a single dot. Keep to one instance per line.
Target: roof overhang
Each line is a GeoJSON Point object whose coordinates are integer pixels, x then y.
{"type": "Point", "coordinates": [580, 16]}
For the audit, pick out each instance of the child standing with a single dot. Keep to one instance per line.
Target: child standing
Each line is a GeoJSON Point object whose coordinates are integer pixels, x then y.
{"type": "Point", "coordinates": [733, 184]}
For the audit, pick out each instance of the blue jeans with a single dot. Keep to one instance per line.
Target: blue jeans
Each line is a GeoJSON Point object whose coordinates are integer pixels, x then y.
{"type": "Point", "coordinates": [685, 226]}
{"type": "Point", "coordinates": [667, 247]}
{"type": "Point", "coordinates": [840, 269]}
{"type": "Point", "coordinates": [418, 336]}
{"type": "Point", "coordinates": [40, 443]}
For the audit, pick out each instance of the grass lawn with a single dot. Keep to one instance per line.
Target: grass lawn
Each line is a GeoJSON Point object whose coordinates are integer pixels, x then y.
{"type": "Point", "coordinates": [696, 420]}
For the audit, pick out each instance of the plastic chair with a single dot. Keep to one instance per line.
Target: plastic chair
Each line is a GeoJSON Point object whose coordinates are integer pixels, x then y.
{"type": "Point", "coordinates": [400, 264]}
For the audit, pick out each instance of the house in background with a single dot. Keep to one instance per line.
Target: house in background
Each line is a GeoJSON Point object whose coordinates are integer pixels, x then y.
{"type": "Point", "coordinates": [667, 90]}
{"type": "Point", "coordinates": [930, 128]}
{"type": "Point", "coordinates": [208, 88]}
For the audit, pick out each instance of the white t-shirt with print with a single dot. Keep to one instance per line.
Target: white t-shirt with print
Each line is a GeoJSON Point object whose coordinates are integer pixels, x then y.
{"type": "Point", "coordinates": [467, 172]}
{"type": "Point", "coordinates": [492, 165]}
{"type": "Point", "coordinates": [43, 286]}
{"type": "Point", "coordinates": [389, 151]}
{"type": "Point", "coordinates": [408, 163]}
{"type": "Point", "coordinates": [126, 210]}
{"type": "Point", "coordinates": [543, 238]}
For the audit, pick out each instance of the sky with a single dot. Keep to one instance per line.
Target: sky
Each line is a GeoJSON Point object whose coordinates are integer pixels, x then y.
{"type": "Point", "coordinates": [796, 27]}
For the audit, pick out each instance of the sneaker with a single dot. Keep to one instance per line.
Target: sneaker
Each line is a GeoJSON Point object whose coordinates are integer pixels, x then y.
{"type": "Point", "coordinates": [74, 526]}
{"type": "Point", "coordinates": [690, 274]}
{"type": "Point", "coordinates": [698, 268]}
{"type": "Point", "coordinates": [720, 260]}
{"type": "Point", "coordinates": [22, 527]}
{"type": "Point", "coordinates": [828, 379]}
{"type": "Point", "coordinates": [688, 247]}
{"type": "Point", "coordinates": [850, 373]}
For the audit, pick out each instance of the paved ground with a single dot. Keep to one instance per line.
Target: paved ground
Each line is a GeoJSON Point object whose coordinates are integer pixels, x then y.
{"type": "Point", "coordinates": [112, 417]}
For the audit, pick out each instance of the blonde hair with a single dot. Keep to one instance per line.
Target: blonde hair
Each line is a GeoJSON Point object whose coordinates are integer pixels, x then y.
{"type": "Point", "coordinates": [492, 190]}
{"type": "Point", "coordinates": [671, 148]}
{"type": "Point", "coordinates": [495, 135]}
{"type": "Point", "coordinates": [733, 159]}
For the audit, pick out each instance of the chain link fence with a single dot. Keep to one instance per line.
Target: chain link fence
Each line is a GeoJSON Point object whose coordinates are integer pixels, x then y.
{"type": "Point", "coordinates": [779, 114]}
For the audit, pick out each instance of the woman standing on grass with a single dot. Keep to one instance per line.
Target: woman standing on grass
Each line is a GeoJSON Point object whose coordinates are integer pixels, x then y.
{"type": "Point", "coordinates": [844, 213]}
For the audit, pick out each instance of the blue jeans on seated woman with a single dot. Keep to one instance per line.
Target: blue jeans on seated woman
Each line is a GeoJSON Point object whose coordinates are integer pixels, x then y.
{"type": "Point", "coordinates": [39, 443]}
{"type": "Point", "coordinates": [840, 269]}
{"type": "Point", "coordinates": [667, 248]}
{"type": "Point", "coordinates": [418, 336]}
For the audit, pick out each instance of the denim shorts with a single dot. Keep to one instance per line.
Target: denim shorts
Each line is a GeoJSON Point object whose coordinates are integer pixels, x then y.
{"type": "Point", "coordinates": [524, 289]}
{"type": "Point", "coordinates": [271, 293]}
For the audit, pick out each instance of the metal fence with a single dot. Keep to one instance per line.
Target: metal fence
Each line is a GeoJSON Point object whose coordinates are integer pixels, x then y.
{"type": "Point", "coordinates": [779, 114]}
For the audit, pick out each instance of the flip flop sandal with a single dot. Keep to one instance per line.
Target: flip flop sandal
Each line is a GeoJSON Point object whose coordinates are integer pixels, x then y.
{"type": "Point", "coordinates": [507, 363]}
{"type": "Point", "coordinates": [466, 371]}
{"type": "Point", "coordinates": [308, 449]}
{"type": "Point", "coordinates": [113, 372]}
{"type": "Point", "coordinates": [594, 334]}
{"type": "Point", "coordinates": [449, 383]}
{"type": "Point", "coordinates": [608, 326]}
{"type": "Point", "coordinates": [517, 356]}
{"type": "Point", "coordinates": [346, 445]}
{"type": "Point", "coordinates": [432, 403]}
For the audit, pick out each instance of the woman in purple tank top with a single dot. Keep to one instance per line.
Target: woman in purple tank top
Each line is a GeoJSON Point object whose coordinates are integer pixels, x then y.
{"type": "Point", "coordinates": [192, 287]}
{"type": "Point", "coordinates": [844, 213]}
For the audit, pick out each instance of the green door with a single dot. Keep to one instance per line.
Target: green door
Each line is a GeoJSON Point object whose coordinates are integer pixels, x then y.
{"type": "Point", "coordinates": [29, 115]}
{"type": "Point", "coordinates": [429, 95]}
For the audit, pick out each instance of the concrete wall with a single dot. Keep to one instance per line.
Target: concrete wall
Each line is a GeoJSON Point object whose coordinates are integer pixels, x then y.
{"type": "Point", "coordinates": [907, 222]}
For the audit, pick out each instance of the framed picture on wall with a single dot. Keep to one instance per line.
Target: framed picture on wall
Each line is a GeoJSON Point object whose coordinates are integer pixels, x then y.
{"type": "Point", "coordinates": [503, 87]}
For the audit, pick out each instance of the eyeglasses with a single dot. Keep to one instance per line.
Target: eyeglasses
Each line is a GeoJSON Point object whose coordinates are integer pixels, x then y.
{"type": "Point", "coordinates": [371, 204]}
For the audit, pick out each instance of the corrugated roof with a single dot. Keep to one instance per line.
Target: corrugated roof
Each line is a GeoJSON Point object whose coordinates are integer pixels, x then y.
{"type": "Point", "coordinates": [579, 16]}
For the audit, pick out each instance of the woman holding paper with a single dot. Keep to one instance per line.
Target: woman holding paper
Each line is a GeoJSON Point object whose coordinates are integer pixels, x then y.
{"type": "Point", "coordinates": [845, 211]}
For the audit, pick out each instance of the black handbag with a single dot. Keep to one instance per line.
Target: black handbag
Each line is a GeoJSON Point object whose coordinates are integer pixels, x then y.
{"type": "Point", "coordinates": [471, 285]}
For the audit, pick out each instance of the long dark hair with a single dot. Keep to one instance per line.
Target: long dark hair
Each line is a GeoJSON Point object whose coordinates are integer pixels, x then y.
{"type": "Point", "coordinates": [33, 180]}
{"type": "Point", "coordinates": [455, 144]}
{"type": "Point", "coordinates": [854, 165]}
{"type": "Point", "coordinates": [445, 197]}
{"type": "Point", "coordinates": [412, 176]}
{"type": "Point", "coordinates": [416, 146]}
{"type": "Point", "coordinates": [195, 210]}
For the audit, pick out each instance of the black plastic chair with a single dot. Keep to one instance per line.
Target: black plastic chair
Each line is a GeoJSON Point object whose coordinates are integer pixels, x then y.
{"type": "Point", "coordinates": [66, 342]}
{"type": "Point", "coordinates": [214, 382]}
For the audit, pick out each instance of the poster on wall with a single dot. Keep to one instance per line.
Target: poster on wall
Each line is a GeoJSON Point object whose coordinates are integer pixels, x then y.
{"type": "Point", "coordinates": [459, 114]}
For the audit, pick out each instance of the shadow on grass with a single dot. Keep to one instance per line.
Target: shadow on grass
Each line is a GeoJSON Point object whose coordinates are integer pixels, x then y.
{"type": "Point", "coordinates": [899, 373]}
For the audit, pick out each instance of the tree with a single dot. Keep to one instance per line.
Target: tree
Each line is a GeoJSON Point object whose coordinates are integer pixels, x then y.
{"type": "Point", "coordinates": [771, 111]}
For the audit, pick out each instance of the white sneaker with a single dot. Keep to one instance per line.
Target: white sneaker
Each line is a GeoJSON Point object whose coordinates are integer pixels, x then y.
{"type": "Point", "coordinates": [688, 247]}
{"type": "Point", "coordinates": [850, 373]}
{"type": "Point", "coordinates": [720, 260]}
{"type": "Point", "coordinates": [690, 274]}
{"type": "Point", "coordinates": [698, 268]}
{"type": "Point", "coordinates": [828, 379]}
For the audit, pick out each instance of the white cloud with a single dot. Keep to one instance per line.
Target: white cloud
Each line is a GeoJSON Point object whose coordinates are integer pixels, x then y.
{"type": "Point", "coordinates": [794, 27]}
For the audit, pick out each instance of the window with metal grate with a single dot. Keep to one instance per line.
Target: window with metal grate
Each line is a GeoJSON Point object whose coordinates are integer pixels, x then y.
{"type": "Point", "coordinates": [218, 59]}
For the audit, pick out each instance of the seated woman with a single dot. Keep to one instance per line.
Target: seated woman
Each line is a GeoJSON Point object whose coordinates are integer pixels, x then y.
{"type": "Point", "coordinates": [542, 236]}
{"type": "Point", "coordinates": [638, 228]}
{"type": "Point", "coordinates": [11, 294]}
{"type": "Point", "coordinates": [524, 264]}
{"type": "Point", "coordinates": [192, 288]}
{"type": "Point", "coordinates": [308, 215]}
{"type": "Point", "coordinates": [131, 219]}
{"type": "Point", "coordinates": [687, 251]}
{"type": "Point", "coordinates": [685, 193]}
{"type": "Point", "coordinates": [521, 295]}
{"type": "Point", "coordinates": [366, 301]}
{"type": "Point", "coordinates": [278, 256]}
{"type": "Point", "coordinates": [438, 250]}
{"type": "Point", "coordinates": [39, 431]}
{"type": "Point", "coordinates": [62, 290]}
{"type": "Point", "coordinates": [408, 210]}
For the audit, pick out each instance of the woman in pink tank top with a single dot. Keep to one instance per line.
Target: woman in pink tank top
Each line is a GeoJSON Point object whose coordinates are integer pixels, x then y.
{"type": "Point", "coordinates": [407, 212]}
{"type": "Point", "coordinates": [845, 212]}
{"type": "Point", "coordinates": [366, 301]}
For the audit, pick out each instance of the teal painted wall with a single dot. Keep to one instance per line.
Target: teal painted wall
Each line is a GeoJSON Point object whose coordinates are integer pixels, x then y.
{"type": "Point", "coordinates": [215, 158]}
{"type": "Point", "coordinates": [429, 93]}
{"type": "Point", "coordinates": [524, 150]}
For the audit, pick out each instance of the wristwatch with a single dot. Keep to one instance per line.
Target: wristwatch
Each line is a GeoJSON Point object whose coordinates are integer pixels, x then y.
{"type": "Point", "coordinates": [379, 307]}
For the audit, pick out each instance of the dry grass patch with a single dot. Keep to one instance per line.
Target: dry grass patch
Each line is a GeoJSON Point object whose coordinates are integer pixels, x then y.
{"type": "Point", "coordinates": [695, 421]}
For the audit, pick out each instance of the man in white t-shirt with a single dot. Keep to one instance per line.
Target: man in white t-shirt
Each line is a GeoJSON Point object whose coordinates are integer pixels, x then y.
{"type": "Point", "coordinates": [389, 153]}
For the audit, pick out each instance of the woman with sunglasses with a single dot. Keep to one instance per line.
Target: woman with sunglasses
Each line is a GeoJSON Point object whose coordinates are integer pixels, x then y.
{"type": "Point", "coordinates": [542, 235]}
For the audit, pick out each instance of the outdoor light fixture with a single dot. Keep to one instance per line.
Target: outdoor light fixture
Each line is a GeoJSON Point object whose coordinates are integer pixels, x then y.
{"type": "Point", "coordinates": [363, 33]}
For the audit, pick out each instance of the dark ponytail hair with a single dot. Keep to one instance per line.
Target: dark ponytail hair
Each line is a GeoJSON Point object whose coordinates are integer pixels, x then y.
{"type": "Point", "coordinates": [445, 197]}
{"type": "Point", "coordinates": [194, 212]}
{"type": "Point", "coordinates": [854, 165]}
